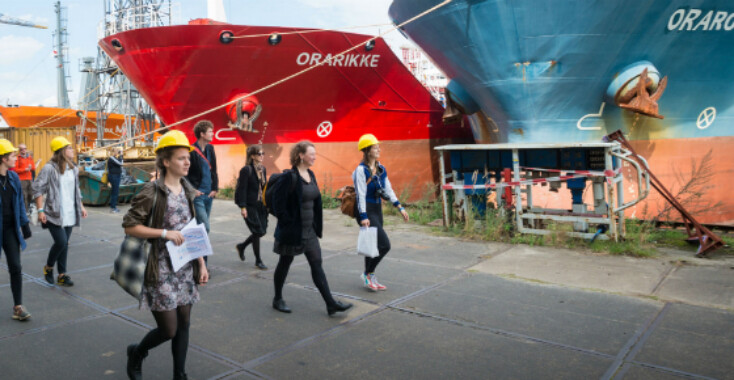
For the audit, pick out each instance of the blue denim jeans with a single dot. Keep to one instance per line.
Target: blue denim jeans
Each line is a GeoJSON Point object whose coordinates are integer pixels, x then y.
{"type": "Point", "coordinates": [115, 183]}
{"type": "Point", "coordinates": [60, 249]}
{"type": "Point", "coordinates": [203, 208]}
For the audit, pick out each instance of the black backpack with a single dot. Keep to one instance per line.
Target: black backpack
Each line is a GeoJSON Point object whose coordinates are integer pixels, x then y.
{"type": "Point", "coordinates": [268, 190]}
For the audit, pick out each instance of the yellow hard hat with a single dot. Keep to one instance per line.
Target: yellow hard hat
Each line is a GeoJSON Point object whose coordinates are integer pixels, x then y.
{"type": "Point", "coordinates": [173, 138]}
{"type": "Point", "coordinates": [6, 147]}
{"type": "Point", "coordinates": [367, 140]}
{"type": "Point", "coordinates": [59, 143]}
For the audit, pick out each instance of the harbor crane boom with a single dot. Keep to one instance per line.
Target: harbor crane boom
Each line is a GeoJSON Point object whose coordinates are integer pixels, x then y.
{"type": "Point", "coordinates": [4, 19]}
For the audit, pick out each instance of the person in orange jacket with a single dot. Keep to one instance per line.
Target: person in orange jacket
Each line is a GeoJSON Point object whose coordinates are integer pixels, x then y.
{"type": "Point", "coordinates": [25, 167]}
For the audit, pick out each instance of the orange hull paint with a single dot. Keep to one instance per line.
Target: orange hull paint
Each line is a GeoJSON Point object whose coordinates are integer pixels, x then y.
{"type": "Point", "coordinates": [52, 117]}
{"type": "Point", "coordinates": [412, 165]}
{"type": "Point", "coordinates": [671, 160]}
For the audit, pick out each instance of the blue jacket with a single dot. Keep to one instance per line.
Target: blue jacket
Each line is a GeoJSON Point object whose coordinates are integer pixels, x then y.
{"type": "Point", "coordinates": [18, 207]}
{"type": "Point", "coordinates": [367, 192]}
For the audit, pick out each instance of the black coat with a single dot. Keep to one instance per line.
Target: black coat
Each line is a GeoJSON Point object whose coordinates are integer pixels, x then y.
{"type": "Point", "coordinates": [194, 175]}
{"type": "Point", "coordinates": [113, 168]}
{"type": "Point", "coordinates": [287, 208]}
{"type": "Point", "coordinates": [245, 194]}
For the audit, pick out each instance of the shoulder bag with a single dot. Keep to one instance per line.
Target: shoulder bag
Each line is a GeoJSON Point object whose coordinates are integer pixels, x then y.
{"type": "Point", "coordinates": [104, 178]}
{"type": "Point", "coordinates": [129, 269]}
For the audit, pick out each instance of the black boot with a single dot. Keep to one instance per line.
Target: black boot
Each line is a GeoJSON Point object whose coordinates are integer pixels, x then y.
{"type": "Point", "coordinates": [241, 250]}
{"type": "Point", "coordinates": [180, 376]}
{"type": "Point", "coordinates": [337, 307]}
{"type": "Point", "coordinates": [279, 304]}
{"type": "Point", "coordinates": [135, 362]}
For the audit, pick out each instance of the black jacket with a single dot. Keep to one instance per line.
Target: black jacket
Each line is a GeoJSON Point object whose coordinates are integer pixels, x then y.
{"type": "Point", "coordinates": [287, 208]}
{"type": "Point", "coordinates": [194, 175]}
{"type": "Point", "coordinates": [245, 194]}
{"type": "Point", "coordinates": [114, 165]}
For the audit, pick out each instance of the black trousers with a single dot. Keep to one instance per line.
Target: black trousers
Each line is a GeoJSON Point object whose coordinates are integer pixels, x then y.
{"type": "Point", "coordinates": [312, 251]}
{"type": "Point", "coordinates": [374, 214]}
{"type": "Point", "coordinates": [60, 249]}
{"type": "Point", "coordinates": [11, 248]}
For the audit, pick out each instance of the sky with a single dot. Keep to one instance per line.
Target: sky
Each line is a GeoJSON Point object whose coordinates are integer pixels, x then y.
{"type": "Point", "coordinates": [28, 67]}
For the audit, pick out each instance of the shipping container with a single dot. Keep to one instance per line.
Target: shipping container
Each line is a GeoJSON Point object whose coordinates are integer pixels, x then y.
{"type": "Point", "coordinates": [38, 140]}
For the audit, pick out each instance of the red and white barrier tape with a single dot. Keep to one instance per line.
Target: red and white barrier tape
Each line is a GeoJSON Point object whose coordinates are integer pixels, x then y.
{"type": "Point", "coordinates": [605, 173]}
{"type": "Point", "coordinates": [570, 174]}
{"type": "Point", "coordinates": [513, 183]}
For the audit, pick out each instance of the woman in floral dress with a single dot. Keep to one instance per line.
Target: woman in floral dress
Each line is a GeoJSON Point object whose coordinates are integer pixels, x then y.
{"type": "Point", "coordinates": [168, 202]}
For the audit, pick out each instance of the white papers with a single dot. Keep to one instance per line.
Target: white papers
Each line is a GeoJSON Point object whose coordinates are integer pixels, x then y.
{"type": "Point", "coordinates": [196, 244]}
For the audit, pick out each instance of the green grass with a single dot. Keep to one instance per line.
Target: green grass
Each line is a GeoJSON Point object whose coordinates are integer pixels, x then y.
{"type": "Point", "coordinates": [642, 238]}
{"type": "Point", "coordinates": [328, 195]}
{"type": "Point", "coordinates": [226, 193]}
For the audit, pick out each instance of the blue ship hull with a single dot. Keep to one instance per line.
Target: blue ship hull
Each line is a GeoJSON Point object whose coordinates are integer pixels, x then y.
{"type": "Point", "coordinates": [542, 71]}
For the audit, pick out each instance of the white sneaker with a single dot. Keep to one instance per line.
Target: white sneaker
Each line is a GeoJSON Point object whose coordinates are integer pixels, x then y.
{"type": "Point", "coordinates": [368, 282]}
{"type": "Point", "coordinates": [377, 285]}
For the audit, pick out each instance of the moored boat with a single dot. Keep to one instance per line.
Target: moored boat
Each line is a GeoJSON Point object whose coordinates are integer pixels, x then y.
{"type": "Point", "coordinates": [184, 70]}
{"type": "Point", "coordinates": [573, 71]}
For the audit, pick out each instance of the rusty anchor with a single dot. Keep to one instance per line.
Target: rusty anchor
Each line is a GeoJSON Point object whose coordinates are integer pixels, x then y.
{"type": "Point", "coordinates": [640, 100]}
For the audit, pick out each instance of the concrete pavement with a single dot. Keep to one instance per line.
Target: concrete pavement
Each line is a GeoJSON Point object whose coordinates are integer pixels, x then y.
{"type": "Point", "coordinates": [453, 309]}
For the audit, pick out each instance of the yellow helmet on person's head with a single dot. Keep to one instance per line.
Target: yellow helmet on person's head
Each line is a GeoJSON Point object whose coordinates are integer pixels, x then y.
{"type": "Point", "coordinates": [173, 138]}
{"type": "Point", "coordinates": [6, 147]}
{"type": "Point", "coordinates": [367, 140]}
{"type": "Point", "coordinates": [59, 143]}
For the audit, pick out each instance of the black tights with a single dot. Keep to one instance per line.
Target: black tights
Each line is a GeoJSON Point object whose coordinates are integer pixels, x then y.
{"type": "Point", "coordinates": [255, 241]}
{"type": "Point", "coordinates": [172, 325]}
{"type": "Point", "coordinates": [313, 256]}
{"type": "Point", "coordinates": [374, 213]}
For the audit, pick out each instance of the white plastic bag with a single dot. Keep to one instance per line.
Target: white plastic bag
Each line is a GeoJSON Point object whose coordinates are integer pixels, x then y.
{"type": "Point", "coordinates": [367, 242]}
{"type": "Point", "coordinates": [33, 217]}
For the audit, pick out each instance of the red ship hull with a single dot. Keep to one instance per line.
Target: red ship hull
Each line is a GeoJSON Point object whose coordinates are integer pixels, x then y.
{"type": "Point", "coordinates": [184, 70]}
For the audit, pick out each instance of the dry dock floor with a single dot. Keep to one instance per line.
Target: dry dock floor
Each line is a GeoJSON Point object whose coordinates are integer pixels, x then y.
{"type": "Point", "coordinates": [453, 309]}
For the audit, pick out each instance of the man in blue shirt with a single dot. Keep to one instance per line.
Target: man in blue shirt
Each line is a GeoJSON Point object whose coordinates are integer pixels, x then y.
{"type": "Point", "coordinates": [203, 171]}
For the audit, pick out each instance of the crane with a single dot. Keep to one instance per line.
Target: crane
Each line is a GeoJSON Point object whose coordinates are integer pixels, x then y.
{"type": "Point", "coordinates": [16, 21]}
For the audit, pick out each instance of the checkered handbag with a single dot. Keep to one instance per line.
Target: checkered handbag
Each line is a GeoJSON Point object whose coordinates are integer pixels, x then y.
{"type": "Point", "coordinates": [129, 269]}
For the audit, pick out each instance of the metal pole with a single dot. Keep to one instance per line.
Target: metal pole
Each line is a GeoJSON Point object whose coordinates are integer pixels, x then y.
{"type": "Point", "coordinates": [443, 191]}
{"type": "Point", "coordinates": [620, 197]}
{"type": "Point", "coordinates": [62, 93]}
{"type": "Point", "coordinates": [608, 165]}
{"type": "Point", "coordinates": [517, 189]}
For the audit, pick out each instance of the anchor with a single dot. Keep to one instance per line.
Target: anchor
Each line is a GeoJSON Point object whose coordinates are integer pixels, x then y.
{"type": "Point", "coordinates": [641, 101]}
{"type": "Point", "coordinates": [243, 113]}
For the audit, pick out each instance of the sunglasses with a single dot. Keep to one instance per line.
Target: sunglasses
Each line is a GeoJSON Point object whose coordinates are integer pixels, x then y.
{"type": "Point", "coordinates": [260, 153]}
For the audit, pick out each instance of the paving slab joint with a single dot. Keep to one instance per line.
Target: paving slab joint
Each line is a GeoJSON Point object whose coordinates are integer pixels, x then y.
{"type": "Point", "coordinates": [634, 345]}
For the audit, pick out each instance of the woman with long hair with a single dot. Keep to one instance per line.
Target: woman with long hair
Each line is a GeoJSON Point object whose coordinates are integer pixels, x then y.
{"type": "Point", "coordinates": [372, 186]}
{"type": "Point", "coordinates": [248, 196]}
{"type": "Point", "coordinates": [169, 203]}
{"type": "Point", "coordinates": [14, 220]}
{"type": "Point", "coordinates": [297, 205]}
{"type": "Point", "coordinates": [59, 204]}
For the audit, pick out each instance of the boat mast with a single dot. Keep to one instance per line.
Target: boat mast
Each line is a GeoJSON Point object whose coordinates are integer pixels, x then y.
{"type": "Point", "coordinates": [61, 48]}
